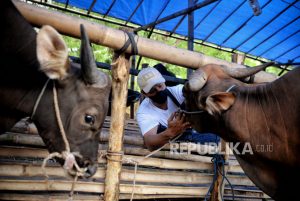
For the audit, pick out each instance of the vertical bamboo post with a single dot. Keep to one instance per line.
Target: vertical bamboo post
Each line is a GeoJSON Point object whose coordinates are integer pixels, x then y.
{"type": "Point", "coordinates": [120, 75]}
{"type": "Point", "coordinates": [238, 58]}
{"type": "Point", "coordinates": [225, 150]}
{"type": "Point", "coordinates": [216, 192]}
{"type": "Point", "coordinates": [218, 188]}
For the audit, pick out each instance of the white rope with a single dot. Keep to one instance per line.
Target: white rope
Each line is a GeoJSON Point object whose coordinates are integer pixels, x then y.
{"type": "Point", "coordinates": [39, 99]}
{"type": "Point", "coordinates": [69, 157]}
{"type": "Point", "coordinates": [135, 162]}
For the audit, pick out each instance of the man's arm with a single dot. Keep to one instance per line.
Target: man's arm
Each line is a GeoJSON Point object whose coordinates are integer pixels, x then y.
{"type": "Point", "coordinates": [176, 126]}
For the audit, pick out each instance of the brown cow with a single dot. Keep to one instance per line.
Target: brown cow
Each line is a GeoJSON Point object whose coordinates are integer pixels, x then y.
{"type": "Point", "coordinates": [265, 116]}
{"type": "Point", "coordinates": [27, 61]}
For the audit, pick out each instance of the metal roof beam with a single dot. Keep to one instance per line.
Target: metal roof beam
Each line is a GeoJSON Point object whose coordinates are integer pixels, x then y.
{"type": "Point", "coordinates": [296, 57]}
{"type": "Point", "coordinates": [224, 20]}
{"type": "Point", "coordinates": [292, 48]}
{"type": "Point", "coordinates": [91, 6]}
{"type": "Point", "coordinates": [176, 14]}
{"type": "Point", "coordinates": [274, 33]}
{"type": "Point", "coordinates": [134, 11]}
{"type": "Point", "coordinates": [212, 9]}
{"type": "Point", "coordinates": [177, 25]}
{"type": "Point", "coordinates": [275, 17]}
{"type": "Point", "coordinates": [242, 25]}
{"type": "Point", "coordinates": [152, 29]}
{"type": "Point", "coordinates": [181, 20]}
{"type": "Point", "coordinates": [110, 7]}
{"type": "Point", "coordinates": [279, 42]}
{"type": "Point", "coordinates": [190, 34]}
{"type": "Point", "coordinates": [67, 3]}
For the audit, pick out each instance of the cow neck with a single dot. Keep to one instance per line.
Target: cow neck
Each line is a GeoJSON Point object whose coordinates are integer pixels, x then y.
{"type": "Point", "coordinates": [253, 106]}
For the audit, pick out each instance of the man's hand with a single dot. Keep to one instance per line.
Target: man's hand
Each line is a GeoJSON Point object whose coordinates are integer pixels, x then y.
{"type": "Point", "coordinates": [177, 124]}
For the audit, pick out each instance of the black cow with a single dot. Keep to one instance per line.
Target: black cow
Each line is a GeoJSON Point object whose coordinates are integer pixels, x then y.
{"type": "Point", "coordinates": [28, 61]}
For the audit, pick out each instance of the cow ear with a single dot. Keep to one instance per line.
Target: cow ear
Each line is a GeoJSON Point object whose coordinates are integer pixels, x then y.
{"type": "Point", "coordinates": [52, 53]}
{"type": "Point", "coordinates": [219, 102]}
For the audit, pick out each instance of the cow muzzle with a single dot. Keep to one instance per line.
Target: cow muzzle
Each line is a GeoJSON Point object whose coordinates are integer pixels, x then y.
{"type": "Point", "coordinates": [90, 171]}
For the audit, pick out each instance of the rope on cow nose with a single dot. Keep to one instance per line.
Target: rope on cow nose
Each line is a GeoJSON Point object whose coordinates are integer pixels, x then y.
{"type": "Point", "coordinates": [67, 155]}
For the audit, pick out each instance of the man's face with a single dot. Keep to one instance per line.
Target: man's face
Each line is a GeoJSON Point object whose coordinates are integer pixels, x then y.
{"type": "Point", "coordinates": [155, 89]}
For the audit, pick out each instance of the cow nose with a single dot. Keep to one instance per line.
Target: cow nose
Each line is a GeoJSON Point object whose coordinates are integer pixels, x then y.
{"type": "Point", "coordinates": [91, 170]}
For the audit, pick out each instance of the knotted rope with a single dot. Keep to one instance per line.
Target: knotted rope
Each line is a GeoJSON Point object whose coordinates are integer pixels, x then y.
{"type": "Point", "coordinates": [108, 155]}
{"type": "Point", "coordinates": [67, 155]}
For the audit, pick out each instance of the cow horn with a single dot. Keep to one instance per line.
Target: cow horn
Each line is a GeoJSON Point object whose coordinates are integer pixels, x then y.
{"type": "Point", "coordinates": [197, 80]}
{"type": "Point", "coordinates": [245, 72]}
{"type": "Point", "coordinates": [90, 74]}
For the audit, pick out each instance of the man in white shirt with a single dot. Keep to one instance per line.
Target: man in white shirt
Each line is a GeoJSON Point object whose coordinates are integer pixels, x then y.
{"type": "Point", "coordinates": [157, 115]}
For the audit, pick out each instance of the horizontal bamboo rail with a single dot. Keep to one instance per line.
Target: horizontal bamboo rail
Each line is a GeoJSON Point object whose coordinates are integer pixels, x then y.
{"type": "Point", "coordinates": [152, 162]}
{"type": "Point", "coordinates": [112, 38]}
{"type": "Point", "coordinates": [81, 197]}
{"type": "Point", "coordinates": [95, 187]}
{"type": "Point", "coordinates": [144, 175]}
{"type": "Point", "coordinates": [26, 139]}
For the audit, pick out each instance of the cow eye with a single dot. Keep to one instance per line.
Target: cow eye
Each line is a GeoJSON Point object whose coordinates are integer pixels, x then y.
{"type": "Point", "coordinates": [89, 119]}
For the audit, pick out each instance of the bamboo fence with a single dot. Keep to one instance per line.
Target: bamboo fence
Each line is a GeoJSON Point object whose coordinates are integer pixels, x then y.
{"type": "Point", "coordinates": [160, 176]}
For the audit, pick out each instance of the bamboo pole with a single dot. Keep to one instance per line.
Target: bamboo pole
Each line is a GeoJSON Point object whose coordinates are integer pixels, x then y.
{"type": "Point", "coordinates": [112, 38]}
{"type": "Point", "coordinates": [120, 76]}
{"type": "Point", "coordinates": [97, 187]}
{"type": "Point", "coordinates": [218, 188]}
{"type": "Point", "coordinates": [181, 151]}
{"type": "Point", "coordinates": [83, 197]}
{"type": "Point", "coordinates": [135, 139]}
{"type": "Point", "coordinates": [94, 187]}
{"type": "Point", "coordinates": [48, 197]}
{"type": "Point", "coordinates": [151, 162]}
{"type": "Point", "coordinates": [23, 139]}
{"type": "Point", "coordinates": [145, 175]}
{"type": "Point", "coordinates": [233, 167]}
{"type": "Point", "coordinates": [164, 154]}
{"type": "Point", "coordinates": [169, 164]}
